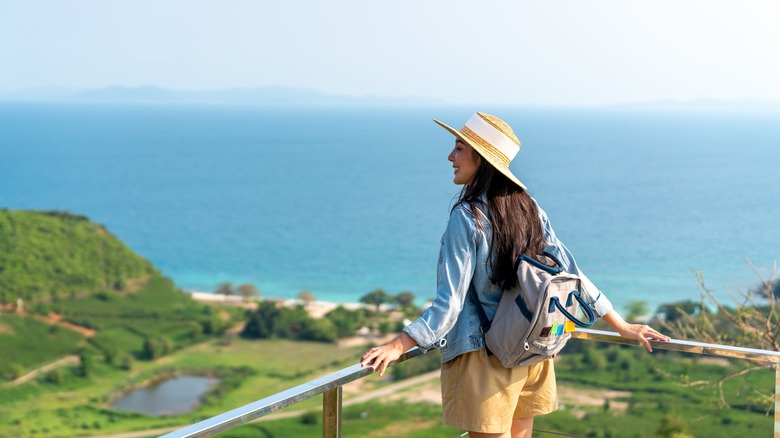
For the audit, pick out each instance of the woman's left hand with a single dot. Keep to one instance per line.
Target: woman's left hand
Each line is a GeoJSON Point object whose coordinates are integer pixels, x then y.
{"type": "Point", "coordinates": [379, 358]}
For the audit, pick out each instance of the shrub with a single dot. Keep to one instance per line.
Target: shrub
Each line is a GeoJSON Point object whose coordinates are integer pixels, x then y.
{"type": "Point", "coordinates": [595, 359]}
{"type": "Point", "coordinates": [17, 371]}
{"type": "Point", "coordinates": [384, 327]}
{"type": "Point", "coordinates": [347, 321]}
{"type": "Point", "coordinates": [54, 376]}
{"type": "Point", "coordinates": [86, 364]}
{"type": "Point", "coordinates": [321, 330]}
{"type": "Point", "coordinates": [155, 348]}
{"type": "Point", "coordinates": [260, 322]}
{"type": "Point", "coordinates": [109, 354]}
{"type": "Point", "coordinates": [673, 427]}
{"type": "Point", "coordinates": [126, 363]}
{"type": "Point", "coordinates": [310, 417]}
{"type": "Point", "coordinates": [41, 309]}
{"type": "Point", "coordinates": [268, 321]}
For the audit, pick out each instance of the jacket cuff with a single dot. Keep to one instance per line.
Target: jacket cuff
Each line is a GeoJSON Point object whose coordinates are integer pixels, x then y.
{"type": "Point", "coordinates": [423, 335]}
{"type": "Point", "coordinates": [600, 304]}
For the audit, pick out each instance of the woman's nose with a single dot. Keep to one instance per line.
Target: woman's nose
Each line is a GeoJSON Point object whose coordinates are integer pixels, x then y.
{"type": "Point", "coordinates": [451, 157]}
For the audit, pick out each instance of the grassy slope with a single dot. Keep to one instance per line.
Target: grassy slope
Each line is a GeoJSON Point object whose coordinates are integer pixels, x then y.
{"type": "Point", "coordinates": [122, 321]}
{"type": "Point", "coordinates": [47, 254]}
{"type": "Point", "coordinates": [27, 343]}
{"type": "Point", "coordinates": [64, 263]}
{"type": "Point", "coordinates": [157, 310]}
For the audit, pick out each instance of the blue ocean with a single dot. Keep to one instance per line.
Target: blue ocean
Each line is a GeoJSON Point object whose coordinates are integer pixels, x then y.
{"type": "Point", "coordinates": [344, 200]}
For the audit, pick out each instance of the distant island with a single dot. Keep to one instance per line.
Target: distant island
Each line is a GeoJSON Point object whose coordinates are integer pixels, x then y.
{"type": "Point", "coordinates": [702, 105]}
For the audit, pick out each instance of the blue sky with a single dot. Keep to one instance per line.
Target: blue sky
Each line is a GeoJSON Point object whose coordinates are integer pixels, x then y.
{"type": "Point", "coordinates": [514, 52]}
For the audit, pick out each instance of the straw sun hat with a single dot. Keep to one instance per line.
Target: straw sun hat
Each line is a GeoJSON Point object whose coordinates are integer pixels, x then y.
{"type": "Point", "coordinates": [493, 139]}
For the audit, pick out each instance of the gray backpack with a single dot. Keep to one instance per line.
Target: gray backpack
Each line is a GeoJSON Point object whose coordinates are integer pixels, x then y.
{"type": "Point", "coordinates": [535, 318]}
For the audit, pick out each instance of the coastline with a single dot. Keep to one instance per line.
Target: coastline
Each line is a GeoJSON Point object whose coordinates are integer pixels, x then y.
{"type": "Point", "coordinates": [316, 309]}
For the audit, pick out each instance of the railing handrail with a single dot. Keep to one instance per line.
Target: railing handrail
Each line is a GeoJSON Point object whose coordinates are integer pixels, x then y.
{"type": "Point", "coordinates": [281, 400]}
{"type": "Point", "coordinates": [728, 351]}
{"type": "Point", "coordinates": [260, 408]}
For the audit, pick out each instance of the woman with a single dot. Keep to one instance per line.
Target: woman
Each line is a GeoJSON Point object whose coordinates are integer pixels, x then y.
{"type": "Point", "coordinates": [493, 222]}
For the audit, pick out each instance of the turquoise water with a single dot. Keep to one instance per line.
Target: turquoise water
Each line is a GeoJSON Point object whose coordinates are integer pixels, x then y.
{"type": "Point", "coordinates": [341, 201]}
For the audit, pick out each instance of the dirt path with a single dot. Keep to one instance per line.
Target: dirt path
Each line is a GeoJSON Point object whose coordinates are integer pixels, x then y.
{"type": "Point", "coordinates": [44, 369]}
{"type": "Point", "coordinates": [53, 319]}
{"type": "Point", "coordinates": [56, 319]}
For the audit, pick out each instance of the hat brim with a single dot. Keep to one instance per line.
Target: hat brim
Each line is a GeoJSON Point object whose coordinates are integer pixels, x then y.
{"type": "Point", "coordinates": [482, 153]}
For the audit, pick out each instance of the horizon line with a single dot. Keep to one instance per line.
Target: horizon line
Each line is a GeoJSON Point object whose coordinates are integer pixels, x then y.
{"type": "Point", "coordinates": [315, 97]}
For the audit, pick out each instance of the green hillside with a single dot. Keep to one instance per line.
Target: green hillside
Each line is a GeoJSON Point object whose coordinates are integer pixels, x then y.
{"type": "Point", "coordinates": [119, 306]}
{"type": "Point", "coordinates": [45, 255]}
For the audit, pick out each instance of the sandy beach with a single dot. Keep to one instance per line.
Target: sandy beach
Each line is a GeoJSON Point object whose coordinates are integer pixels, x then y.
{"type": "Point", "coordinates": [316, 309]}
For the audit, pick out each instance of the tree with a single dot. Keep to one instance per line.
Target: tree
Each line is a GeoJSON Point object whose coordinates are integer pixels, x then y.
{"type": "Point", "coordinates": [248, 292]}
{"type": "Point", "coordinates": [320, 330]}
{"type": "Point", "coordinates": [673, 311]}
{"type": "Point", "coordinates": [213, 325]}
{"type": "Point", "coordinates": [404, 299]}
{"type": "Point", "coordinates": [776, 289]}
{"type": "Point", "coordinates": [773, 288]}
{"type": "Point", "coordinates": [636, 310]}
{"type": "Point", "coordinates": [109, 353]}
{"type": "Point", "coordinates": [86, 364]}
{"type": "Point", "coordinates": [749, 323]}
{"type": "Point", "coordinates": [260, 322]}
{"type": "Point", "coordinates": [377, 297]}
{"type": "Point", "coordinates": [347, 321]}
{"type": "Point", "coordinates": [268, 320]}
{"type": "Point", "coordinates": [155, 348]}
{"type": "Point", "coordinates": [306, 296]}
{"type": "Point", "coordinates": [753, 321]}
{"type": "Point", "coordinates": [225, 288]}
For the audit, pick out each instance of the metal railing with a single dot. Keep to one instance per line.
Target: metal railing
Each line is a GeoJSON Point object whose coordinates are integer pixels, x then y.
{"type": "Point", "coordinates": [331, 385]}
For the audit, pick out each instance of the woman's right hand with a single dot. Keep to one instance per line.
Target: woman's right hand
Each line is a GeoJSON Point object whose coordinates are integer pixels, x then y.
{"type": "Point", "coordinates": [379, 358]}
{"type": "Point", "coordinates": [641, 332]}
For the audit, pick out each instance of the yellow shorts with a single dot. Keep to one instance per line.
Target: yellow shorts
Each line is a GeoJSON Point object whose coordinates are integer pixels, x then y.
{"type": "Point", "coordinates": [480, 395]}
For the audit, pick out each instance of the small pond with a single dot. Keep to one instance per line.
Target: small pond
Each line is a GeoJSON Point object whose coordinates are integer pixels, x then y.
{"type": "Point", "coordinates": [176, 395]}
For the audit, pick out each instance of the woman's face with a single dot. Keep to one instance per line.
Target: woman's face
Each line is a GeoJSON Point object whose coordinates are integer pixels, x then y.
{"type": "Point", "coordinates": [465, 161]}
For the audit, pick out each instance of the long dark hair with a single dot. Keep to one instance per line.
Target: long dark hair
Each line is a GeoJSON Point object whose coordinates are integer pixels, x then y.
{"type": "Point", "coordinates": [514, 218]}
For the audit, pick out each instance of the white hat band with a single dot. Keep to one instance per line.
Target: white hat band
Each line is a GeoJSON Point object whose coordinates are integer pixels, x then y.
{"type": "Point", "coordinates": [490, 134]}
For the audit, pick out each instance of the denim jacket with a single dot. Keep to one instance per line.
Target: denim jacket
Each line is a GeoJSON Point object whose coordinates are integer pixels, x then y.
{"type": "Point", "coordinates": [452, 322]}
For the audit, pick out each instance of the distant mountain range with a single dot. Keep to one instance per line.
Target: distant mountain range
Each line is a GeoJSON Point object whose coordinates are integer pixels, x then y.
{"type": "Point", "coordinates": [149, 94]}
{"type": "Point", "coordinates": [289, 96]}
{"type": "Point", "coordinates": [704, 104]}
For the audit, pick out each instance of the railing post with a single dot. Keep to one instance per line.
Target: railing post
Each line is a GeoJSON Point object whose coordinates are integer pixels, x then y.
{"type": "Point", "coordinates": [777, 401]}
{"type": "Point", "coordinates": [331, 413]}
